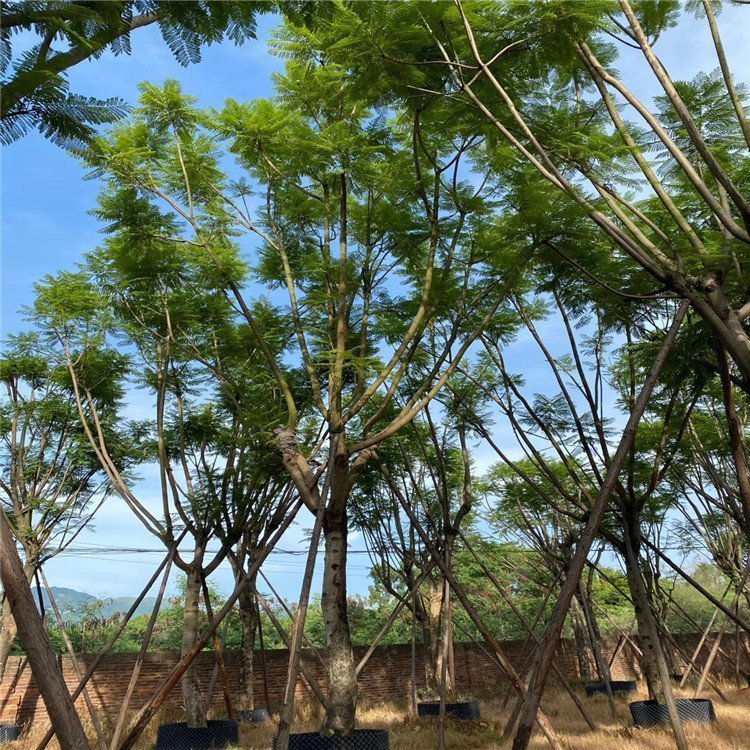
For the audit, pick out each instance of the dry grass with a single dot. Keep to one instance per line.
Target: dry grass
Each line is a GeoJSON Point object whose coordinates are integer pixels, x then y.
{"type": "Point", "coordinates": [731, 731]}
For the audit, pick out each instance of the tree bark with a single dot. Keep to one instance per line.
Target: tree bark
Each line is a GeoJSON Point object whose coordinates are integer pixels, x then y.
{"type": "Point", "coordinates": [195, 710]}
{"type": "Point", "coordinates": [342, 676]}
{"type": "Point", "coordinates": [8, 633]}
{"type": "Point", "coordinates": [579, 635]}
{"type": "Point", "coordinates": [431, 637]}
{"type": "Point", "coordinates": [36, 644]}
{"type": "Point", "coordinates": [248, 612]}
{"type": "Point", "coordinates": [9, 629]}
{"type": "Point", "coordinates": [642, 607]}
{"type": "Point", "coordinates": [736, 436]}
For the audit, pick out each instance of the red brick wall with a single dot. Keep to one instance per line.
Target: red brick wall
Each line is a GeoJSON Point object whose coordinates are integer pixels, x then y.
{"type": "Point", "coordinates": [386, 677]}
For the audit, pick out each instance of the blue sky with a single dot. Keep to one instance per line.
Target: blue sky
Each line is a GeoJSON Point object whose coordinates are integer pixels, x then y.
{"type": "Point", "coordinates": [46, 228]}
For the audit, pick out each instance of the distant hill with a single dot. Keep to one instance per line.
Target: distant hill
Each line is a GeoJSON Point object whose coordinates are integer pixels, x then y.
{"type": "Point", "coordinates": [75, 604]}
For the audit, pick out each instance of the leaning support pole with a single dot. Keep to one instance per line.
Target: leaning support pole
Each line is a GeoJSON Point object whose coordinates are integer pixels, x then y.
{"type": "Point", "coordinates": [538, 677]}
{"type": "Point", "coordinates": [264, 667]}
{"type": "Point", "coordinates": [392, 618]}
{"type": "Point", "coordinates": [295, 649]}
{"type": "Point", "coordinates": [290, 615]}
{"type": "Point", "coordinates": [157, 699]}
{"type": "Point", "coordinates": [36, 644]}
{"type": "Point", "coordinates": [219, 651]}
{"type": "Point", "coordinates": [736, 436]}
{"type": "Point", "coordinates": [697, 650]}
{"type": "Point", "coordinates": [697, 586]}
{"type": "Point", "coordinates": [287, 641]}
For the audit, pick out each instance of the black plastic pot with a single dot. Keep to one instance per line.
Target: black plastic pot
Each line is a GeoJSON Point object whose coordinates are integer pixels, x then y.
{"type": "Point", "coordinates": [219, 733]}
{"type": "Point", "coordinates": [360, 739]}
{"type": "Point", "coordinates": [9, 732]}
{"type": "Point", "coordinates": [618, 686]}
{"type": "Point", "coordinates": [466, 710]}
{"type": "Point", "coordinates": [653, 713]}
{"type": "Point", "coordinates": [253, 715]}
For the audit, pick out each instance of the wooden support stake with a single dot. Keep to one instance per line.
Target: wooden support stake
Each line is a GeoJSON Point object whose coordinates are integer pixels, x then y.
{"type": "Point", "coordinates": [281, 742]}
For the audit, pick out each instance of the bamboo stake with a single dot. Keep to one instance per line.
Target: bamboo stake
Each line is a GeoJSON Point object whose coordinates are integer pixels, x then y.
{"type": "Point", "coordinates": [697, 586]}
{"type": "Point", "coordinates": [502, 659]}
{"type": "Point", "coordinates": [219, 650]}
{"type": "Point", "coordinates": [392, 617]}
{"type": "Point", "coordinates": [711, 657]}
{"type": "Point", "coordinates": [262, 653]}
{"type": "Point", "coordinates": [529, 629]}
{"type": "Point", "coordinates": [286, 609]}
{"type": "Point", "coordinates": [309, 678]}
{"type": "Point", "coordinates": [281, 741]}
{"type": "Point", "coordinates": [601, 664]}
{"type": "Point", "coordinates": [698, 649]}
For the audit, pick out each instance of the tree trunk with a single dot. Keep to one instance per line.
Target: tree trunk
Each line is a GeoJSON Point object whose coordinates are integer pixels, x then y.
{"type": "Point", "coordinates": [579, 635]}
{"type": "Point", "coordinates": [649, 649]}
{"type": "Point", "coordinates": [9, 630]}
{"type": "Point", "coordinates": [432, 663]}
{"type": "Point", "coordinates": [342, 677]}
{"type": "Point", "coordinates": [249, 620]}
{"type": "Point", "coordinates": [659, 671]}
{"type": "Point", "coordinates": [36, 644]}
{"type": "Point", "coordinates": [7, 636]}
{"type": "Point", "coordinates": [195, 711]}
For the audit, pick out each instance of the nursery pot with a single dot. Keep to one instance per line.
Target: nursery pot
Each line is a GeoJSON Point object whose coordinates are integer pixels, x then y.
{"type": "Point", "coordinates": [9, 732]}
{"type": "Point", "coordinates": [253, 715]}
{"type": "Point", "coordinates": [218, 733]}
{"type": "Point", "coordinates": [360, 739]}
{"type": "Point", "coordinates": [466, 710]}
{"type": "Point", "coordinates": [653, 713]}
{"type": "Point", "coordinates": [618, 686]}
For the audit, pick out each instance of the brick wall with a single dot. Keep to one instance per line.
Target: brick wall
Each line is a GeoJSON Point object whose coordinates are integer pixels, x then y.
{"type": "Point", "coordinates": [386, 677]}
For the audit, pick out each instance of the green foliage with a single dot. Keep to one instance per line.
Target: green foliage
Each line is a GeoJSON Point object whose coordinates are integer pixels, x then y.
{"type": "Point", "coordinates": [35, 85]}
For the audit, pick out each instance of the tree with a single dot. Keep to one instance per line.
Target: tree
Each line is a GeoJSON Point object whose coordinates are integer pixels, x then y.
{"type": "Point", "coordinates": [430, 463]}
{"type": "Point", "coordinates": [51, 482]}
{"type": "Point", "coordinates": [381, 249]}
{"type": "Point", "coordinates": [565, 440]}
{"type": "Point", "coordinates": [210, 447]}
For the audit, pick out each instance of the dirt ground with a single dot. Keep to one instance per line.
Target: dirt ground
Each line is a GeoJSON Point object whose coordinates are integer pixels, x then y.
{"type": "Point", "coordinates": [731, 731]}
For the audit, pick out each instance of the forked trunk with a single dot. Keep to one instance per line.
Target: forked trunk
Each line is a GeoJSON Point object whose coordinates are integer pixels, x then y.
{"type": "Point", "coordinates": [342, 677]}
{"type": "Point", "coordinates": [195, 711]}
